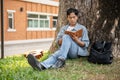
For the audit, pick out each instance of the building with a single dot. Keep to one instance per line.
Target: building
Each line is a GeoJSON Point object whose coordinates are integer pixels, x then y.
{"type": "Point", "coordinates": [30, 19]}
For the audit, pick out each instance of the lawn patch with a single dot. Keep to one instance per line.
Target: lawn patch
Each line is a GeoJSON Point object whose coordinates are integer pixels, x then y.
{"type": "Point", "coordinates": [17, 68]}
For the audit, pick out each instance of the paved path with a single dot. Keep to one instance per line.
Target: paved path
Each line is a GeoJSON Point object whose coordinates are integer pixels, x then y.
{"type": "Point", "coordinates": [19, 47]}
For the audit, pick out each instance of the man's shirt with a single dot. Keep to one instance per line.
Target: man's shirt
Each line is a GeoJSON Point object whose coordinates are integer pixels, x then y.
{"type": "Point", "coordinates": [84, 37]}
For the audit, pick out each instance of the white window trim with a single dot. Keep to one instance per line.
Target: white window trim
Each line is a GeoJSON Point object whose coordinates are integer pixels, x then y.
{"type": "Point", "coordinates": [32, 21]}
{"type": "Point", "coordinates": [41, 13]}
{"type": "Point", "coordinates": [11, 30]}
{"type": "Point", "coordinates": [48, 18]}
{"type": "Point", "coordinates": [54, 20]}
{"type": "Point", "coordinates": [53, 28]}
{"type": "Point", "coordinates": [11, 11]}
{"type": "Point", "coordinates": [40, 29]}
{"type": "Point", "coordinates": [11, 17]}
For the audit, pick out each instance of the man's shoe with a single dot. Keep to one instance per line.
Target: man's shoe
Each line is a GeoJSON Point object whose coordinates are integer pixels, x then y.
{"type": "Point", "coordinates": [59, 64]}
{"type": "Point", "coordinates": [34, 63]}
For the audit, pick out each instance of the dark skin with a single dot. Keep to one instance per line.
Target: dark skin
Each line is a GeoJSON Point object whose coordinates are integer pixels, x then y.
{"type": "Point", "coordinates": [72, 18]}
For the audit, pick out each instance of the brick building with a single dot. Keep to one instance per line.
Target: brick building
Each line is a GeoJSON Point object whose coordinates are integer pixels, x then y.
{"type": "Point", "coordinates": [30, 19]}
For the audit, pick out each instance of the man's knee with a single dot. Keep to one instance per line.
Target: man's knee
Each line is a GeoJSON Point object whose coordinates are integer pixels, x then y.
{"type": "Point", "coordinates": [66, 37]}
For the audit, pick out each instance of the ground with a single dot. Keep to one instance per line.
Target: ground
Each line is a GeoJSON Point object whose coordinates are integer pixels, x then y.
{"type": "Point", "coordinates": [17, 68]}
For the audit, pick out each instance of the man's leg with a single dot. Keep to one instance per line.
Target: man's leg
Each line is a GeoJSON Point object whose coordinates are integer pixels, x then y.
{"type": "Point", "coordinates": [68, 47]}
{"type": "Point", "coordinates": [65, 47]}
{"type": "Point", "coordinates": [73, 51]}
{"type": "Point", "coordinates": [51, 60]}
{"type": "Point", "coordinates": [61, 54]}
{"type": "Point", "coordinates": [42, 65]}
{"type": "Point", "coordinates": [34, 62]}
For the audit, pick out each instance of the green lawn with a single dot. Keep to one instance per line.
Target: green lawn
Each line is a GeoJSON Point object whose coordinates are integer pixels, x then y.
{"type": "Point", "coordinates": [17, 68]}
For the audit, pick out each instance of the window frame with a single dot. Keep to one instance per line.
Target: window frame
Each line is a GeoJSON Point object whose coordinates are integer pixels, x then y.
{"type": "Point", "coordinates": [38, 19]}
{"type": "Point", "coordinates": [41, 13]}
{"type": "Point", "coordinates": [55, 20]}
{"type": "Point", "coordinates": [12, 28]}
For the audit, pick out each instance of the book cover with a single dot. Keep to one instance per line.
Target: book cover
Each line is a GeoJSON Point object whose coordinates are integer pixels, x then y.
{"type": "Point", "coordinates": [77, 33]}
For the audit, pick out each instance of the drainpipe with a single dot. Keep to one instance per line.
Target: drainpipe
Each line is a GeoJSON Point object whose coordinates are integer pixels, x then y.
{"type": "Point", "coordinates": [2, 30]}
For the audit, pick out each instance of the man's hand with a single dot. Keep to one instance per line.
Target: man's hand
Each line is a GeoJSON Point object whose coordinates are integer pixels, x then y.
{"type": "Point", "coordinates": [60, 41]}
{"type": "Point", "coordinates": [76, 39]}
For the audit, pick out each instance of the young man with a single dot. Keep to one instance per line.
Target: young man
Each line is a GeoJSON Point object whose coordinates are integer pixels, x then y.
{"type": "Point", "coordinates": [70, 46]}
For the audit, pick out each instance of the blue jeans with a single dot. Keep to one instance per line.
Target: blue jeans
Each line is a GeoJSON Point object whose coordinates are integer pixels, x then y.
{"type": "Point", "coordinates": [68, 49]}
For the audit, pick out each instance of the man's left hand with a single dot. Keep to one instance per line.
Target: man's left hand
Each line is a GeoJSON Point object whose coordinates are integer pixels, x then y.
{"type": "Point", "coordinates": [75, 38]}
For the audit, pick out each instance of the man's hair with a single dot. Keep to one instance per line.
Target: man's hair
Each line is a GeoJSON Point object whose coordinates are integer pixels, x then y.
{"type": "Point", "coordinates": [72, 10]}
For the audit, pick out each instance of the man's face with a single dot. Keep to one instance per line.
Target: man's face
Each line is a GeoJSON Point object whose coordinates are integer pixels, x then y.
{"type": "Point", "coordinates": [72, 18]}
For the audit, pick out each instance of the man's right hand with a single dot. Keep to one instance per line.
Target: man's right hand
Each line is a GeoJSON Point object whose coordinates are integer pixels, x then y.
{"type": "Point", "coordinates": [60, 41]}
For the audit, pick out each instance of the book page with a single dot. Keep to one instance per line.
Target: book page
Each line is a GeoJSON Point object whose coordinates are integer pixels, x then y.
{"type": "Point", "coordinates": [77, 33]}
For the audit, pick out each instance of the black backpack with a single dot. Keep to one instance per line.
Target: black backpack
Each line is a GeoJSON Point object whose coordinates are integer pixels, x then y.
{"type": "Point", "coordinates": [101, 52]}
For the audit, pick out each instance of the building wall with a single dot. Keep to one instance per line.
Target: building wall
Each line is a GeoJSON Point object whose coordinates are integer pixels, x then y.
{"type": "Point", "coordinates": [20, 9]}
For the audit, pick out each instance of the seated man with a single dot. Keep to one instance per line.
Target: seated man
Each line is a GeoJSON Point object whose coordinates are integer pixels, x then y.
{"type": "Point", "coordinates": [70, 46]}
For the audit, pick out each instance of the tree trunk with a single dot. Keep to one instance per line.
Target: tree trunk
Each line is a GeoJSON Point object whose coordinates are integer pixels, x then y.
{"type": "Point", "coordinates": [107, 24]}
{"type": "Point", "coordinates": [101, 17]}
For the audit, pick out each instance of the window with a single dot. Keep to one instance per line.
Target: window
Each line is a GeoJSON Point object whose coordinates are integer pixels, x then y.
{"type": "Point", "coordinates": [54, 21]}
{"type": "Point", "coordinates": [11, 27]}
{"type": "Point", "coordinates": [38, 21]}
{"type": "Point", "coordinates": [11, 20]}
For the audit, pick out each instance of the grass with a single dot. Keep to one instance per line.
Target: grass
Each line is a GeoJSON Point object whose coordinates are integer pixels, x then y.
{"type": "Point", "coordinates": [17, 68]}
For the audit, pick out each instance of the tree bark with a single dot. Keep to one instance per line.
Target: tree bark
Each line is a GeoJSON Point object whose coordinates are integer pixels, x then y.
{"type": "Point", "coordinates": [107, 24]}
{"type": "Point", "coordinates": [101, 17]}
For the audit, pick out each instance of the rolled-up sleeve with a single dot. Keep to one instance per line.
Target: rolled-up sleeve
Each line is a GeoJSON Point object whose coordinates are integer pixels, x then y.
{"type": "Point", "coordinates": [60, 34]}
{"type": "Point", "coordinates": [85, 37]}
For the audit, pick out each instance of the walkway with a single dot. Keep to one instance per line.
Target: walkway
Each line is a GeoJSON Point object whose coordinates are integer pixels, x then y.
{"type": "Point", "coordinates": [21, 46]}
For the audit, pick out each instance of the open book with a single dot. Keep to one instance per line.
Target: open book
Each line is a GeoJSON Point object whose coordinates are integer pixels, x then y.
{"type": "Point", "coordinates": [77, 33]}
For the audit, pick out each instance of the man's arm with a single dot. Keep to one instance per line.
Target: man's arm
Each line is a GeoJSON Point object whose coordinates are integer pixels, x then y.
{"type": "Point", "coordinates": [60, 41]}
{"type": "Point", "coordinates": [84, 40]}
{"type": "Point", "coordinates": [76, 39]}
{"type": "Point", "coordinates": [59, 36]}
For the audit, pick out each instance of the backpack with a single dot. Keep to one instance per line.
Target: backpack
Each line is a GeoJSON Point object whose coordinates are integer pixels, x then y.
{"type": "Point", "coordinates": [101, 53]}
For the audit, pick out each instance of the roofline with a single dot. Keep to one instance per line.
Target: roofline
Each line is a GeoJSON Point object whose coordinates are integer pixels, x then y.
{"type": "Point", "coordinates": [46, 2]}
